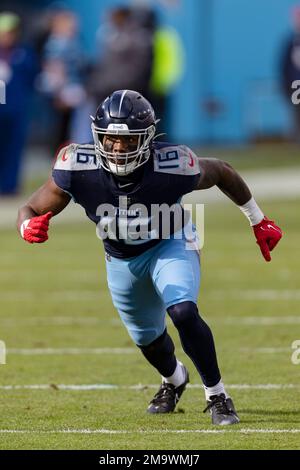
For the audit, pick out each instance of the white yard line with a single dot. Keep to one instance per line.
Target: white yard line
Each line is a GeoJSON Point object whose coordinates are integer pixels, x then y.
{"type": "Point", "coordinates": [73, 213]}
{"type": "Point", "coordinates": [261, 321]}
{"type": "Point", "coordinates": [270, 294]}
{"type": "Point", "coordinates": [67, 351]}
{"type": "Point", "coordinates": [100, 351]}
{"type": "Point", "coordinates": [95, 295]}
{"type": "Point", "coordinates": [249, 294]}
{"type": "Point", "coordinates": [152, 431]}
{"type": "Point", "coordinates": [267, 350]}
{"type": "Point", "coordinates": [56, 321]}
{"type": "Point", "coordinates": [54, 296]}
{"type": "Point", "coordinates": [266, 184]}
{"type": "Point", "coordinates": [91, 321]}
{"type": "Point", "coordinates": [139, 387]}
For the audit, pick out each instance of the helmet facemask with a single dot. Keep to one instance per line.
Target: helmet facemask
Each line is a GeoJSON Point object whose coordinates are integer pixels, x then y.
{"type": "Point", "coordinates": [135, 147]}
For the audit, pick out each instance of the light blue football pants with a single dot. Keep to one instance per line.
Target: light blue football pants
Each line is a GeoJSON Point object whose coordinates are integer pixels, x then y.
{"type": "Point", "coordinates": [143, 287]}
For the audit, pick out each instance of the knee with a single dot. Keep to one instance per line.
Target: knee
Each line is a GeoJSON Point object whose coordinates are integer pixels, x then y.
{"type": "Point", "coordinates": [160, 346]}
{"type": "Point", "coordinates": [151, 347]}
{"type": "Point", "coordinates": [184, 313]}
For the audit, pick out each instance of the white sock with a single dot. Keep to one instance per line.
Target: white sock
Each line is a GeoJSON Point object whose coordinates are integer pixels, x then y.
{"type": "Point", "coordinates": [178, 377]}
{"type": "Point", "coordinates": [216, 390]}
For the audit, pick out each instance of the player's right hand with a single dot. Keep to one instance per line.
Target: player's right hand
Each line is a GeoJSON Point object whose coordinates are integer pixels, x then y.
{"type": "Point", "coordinates": [35, 230]}
{"type": "Point", "coordinates": [267, 236]}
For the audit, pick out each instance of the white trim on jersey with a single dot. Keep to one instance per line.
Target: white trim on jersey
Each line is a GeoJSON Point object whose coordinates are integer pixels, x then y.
{"type": "Point", "coordinates": [177, 160]}
{"type": "Point", "coordinates": [77, 157]}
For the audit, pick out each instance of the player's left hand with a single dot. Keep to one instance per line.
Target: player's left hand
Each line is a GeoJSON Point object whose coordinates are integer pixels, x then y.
{"type": "Point", "coordinates": [267, 235]}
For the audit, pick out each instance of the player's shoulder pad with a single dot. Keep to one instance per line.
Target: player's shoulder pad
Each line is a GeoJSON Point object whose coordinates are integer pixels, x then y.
{"type": "Point", "coordinates": [77, 157]}
{"type": "Point", "coordinates": [175, 159]}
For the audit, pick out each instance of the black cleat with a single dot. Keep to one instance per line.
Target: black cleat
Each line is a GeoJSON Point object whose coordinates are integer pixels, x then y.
{"type": "Point", "coordinates": [222, 410]}
{"type": "Point", "coordinates": [167, 397]}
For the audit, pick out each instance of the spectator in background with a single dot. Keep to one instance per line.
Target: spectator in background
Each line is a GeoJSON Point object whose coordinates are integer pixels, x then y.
{"type": "Point", "coordinates": [18, 68]}
{"type": "Point", "coordinates": [290, 69]}
{"type": "Point", "coordinates": [167, 66]}
{"type": "Point", "coordinates": [167, 60]}
{"type": "Point", "coordinates": [40, 29]}
{"type": "Point", "coordinates": [62, 73]}
{"type": "Point", "coordinates": [125, 59]}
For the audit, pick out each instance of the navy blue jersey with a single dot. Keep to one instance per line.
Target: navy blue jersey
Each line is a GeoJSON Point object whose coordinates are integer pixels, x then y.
{"type": "Point", "coordinates": [121, 211]}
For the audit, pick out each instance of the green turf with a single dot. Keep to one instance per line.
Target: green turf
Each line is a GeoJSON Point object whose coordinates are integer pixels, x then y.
{"type": "Point", "coordinates": [40, 284]}
{"type": "Point", "coordinates": [256, 156]}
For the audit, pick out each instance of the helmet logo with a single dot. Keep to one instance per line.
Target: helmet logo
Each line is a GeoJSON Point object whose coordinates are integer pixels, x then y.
{"type": "Point", "coordinates": [117, 127]}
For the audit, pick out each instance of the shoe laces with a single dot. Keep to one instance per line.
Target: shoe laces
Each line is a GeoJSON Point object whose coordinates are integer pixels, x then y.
{"type": "Point", "coordinates": [166, 391]}
{"type": "Point", "coordinates": [220, 404]}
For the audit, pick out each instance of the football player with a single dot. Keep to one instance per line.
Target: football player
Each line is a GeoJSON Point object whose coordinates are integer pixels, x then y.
{"type": "Point", "coordinates": [124, 170]}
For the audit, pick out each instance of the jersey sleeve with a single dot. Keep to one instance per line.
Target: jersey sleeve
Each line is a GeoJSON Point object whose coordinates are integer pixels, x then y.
{"type": "Point", "coordinates": [181, 163]}
{"type": "Point", "coordinates": [63, 167]}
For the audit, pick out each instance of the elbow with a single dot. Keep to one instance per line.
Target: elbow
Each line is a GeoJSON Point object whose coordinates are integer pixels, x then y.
{"type": "Point", "coordinates": [226, 166]}
{"type": "Point", "coordinates": [224, 170]}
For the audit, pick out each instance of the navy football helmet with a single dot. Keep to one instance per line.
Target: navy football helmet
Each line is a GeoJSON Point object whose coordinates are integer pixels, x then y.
{"type": "Point", "coordinates": [128, 118]}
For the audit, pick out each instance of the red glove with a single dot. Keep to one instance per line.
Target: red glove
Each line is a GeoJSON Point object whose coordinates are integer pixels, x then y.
{"type": "Point", "coordinates": [35, 230]}
{"type": "Point", "coordinates": [267, 235]}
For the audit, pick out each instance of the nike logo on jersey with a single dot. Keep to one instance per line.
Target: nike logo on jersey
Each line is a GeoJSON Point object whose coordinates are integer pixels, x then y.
{"type": "Point", "coordinates": [64, 157]}
{"type": "Point", "coordinates": [124, 185]}
{"type": "Point", "coordinates": [191, 162]}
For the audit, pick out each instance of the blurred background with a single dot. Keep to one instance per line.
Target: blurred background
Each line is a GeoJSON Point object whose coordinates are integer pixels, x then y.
{"type": "Point", "coordinates": [218, 72]}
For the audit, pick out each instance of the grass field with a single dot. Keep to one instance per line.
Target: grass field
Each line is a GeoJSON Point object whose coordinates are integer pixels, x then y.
{"type": "Point", "coordinates": [60, 328]}
{"type": "Point", "coordinates": [257, 156]}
